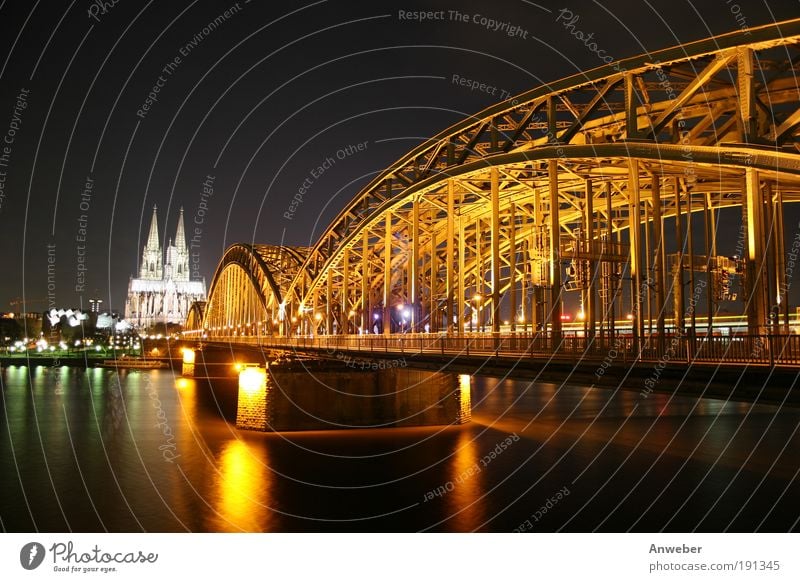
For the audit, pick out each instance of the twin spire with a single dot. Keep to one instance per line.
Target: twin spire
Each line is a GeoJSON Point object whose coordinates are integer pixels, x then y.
{"type": "Point", "coordinates": [177, 263]}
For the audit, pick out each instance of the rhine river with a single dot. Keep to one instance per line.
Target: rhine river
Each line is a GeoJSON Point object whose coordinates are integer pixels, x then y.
{"type": "Point", "coordinates": [96, 450]}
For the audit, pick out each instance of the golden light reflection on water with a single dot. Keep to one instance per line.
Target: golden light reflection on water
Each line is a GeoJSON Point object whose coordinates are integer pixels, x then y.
{"type": "Point", "coordinates": [463, 499]}
{"type": "Point", "coordinates": [243, 484]}
{"type": "Point", "coordinates": [465, 398]}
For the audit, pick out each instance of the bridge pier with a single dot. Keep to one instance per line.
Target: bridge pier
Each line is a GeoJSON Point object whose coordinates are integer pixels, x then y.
{"type": "Point", "coordinates": [254, 399]}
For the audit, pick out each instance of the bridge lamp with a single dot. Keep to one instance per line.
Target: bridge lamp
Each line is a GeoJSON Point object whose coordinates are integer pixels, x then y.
{"type": "Point", "coordinates": [188, 356]}
{"type": "Point", "coordinates": [318, 316]}
{"type": "Point", "coordinates": [252, 378]}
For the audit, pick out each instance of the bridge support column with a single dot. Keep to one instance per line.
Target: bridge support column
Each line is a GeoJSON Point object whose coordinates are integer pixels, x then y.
{"type": "Point", "coordinates": [610, 272]}
{"type": "Point", "coordinates": [252, 408]}
{"type": "Point", "coordinates": [770, 272]}
{"type": "Point", "coordinates": [634, 211]}
{"type": "Point", "coordinates": [387, 275]}
{"type": "Point", "coordinates": [344, 315]}
{"type": "Point", "coordinates": [758, 286]}
{"type": "Point", "coordinates": [690, 257]}
{"type": "Point", "coordinates": [450, 283]}
{"type": "Point", "coordinates": [187, 368]}
{"type": "Point", "coordinates": [366, 310]}
{"type": "Point", "coordinates": [478, 296]}
{"type": "Point", "coordinates": [589, 306]}
{"type": "Point", "coordinates": [461, 299]}
{"type": "Point", "coordinates": [495, 249]}
{"type": "Point", "coordinates": [433, 316]}
{"type": "Point", "coordinates": [677, 288]}
{"type": "Point", "coordinates": [659, 263]}
{"type": "Point", "coordinates": [538, 322]}
{"type": "Point", "coordinates": [414, 270]}
{"type": "Point", "coordinates": [781, 282]}
{"type": "Point", "coordinates": [328, 306]}
{"type": "Point", "coordinates": [512, 266]}
{"type": "Point", "coordinates": [555, 254]}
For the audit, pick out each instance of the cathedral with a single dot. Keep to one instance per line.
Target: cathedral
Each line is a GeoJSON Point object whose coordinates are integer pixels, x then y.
{"type": "Point", "coordinates": [163, 292]}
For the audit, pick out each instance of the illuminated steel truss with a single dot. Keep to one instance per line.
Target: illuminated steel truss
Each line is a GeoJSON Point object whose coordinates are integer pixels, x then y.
{"type": "Point", "coordinates": [488, 225]}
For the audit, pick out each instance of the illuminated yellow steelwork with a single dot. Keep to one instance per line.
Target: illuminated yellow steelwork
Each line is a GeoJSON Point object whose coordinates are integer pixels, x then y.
{"type": "Point", "coordinates": [576, 186]}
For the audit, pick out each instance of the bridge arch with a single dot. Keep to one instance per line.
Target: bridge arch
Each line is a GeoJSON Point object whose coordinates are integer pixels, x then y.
{"type": "Point", "coordinates": [581, 185]}
{"type": "Point", "coordinates": [246, 291]}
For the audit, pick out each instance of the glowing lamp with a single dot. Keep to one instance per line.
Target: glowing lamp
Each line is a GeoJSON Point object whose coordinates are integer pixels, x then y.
{"type": "Point", "coordinates": [188, 356]}
{"type": "Point", "coordinates": [252, 379]}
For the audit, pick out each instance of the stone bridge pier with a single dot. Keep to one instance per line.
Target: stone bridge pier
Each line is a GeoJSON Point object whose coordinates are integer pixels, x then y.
{"type": "Point", "coordinates": [280, 392]}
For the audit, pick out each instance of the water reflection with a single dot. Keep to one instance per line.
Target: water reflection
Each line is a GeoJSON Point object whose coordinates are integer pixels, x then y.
{"type": "Point", "coordinates": [91, 456]}
{"type": "Point", "coordinates": [242, 489]}
{"type": "Point", "coordinates": [464, 501]}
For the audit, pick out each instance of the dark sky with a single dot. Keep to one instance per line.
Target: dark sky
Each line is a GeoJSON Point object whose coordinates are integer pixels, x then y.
{"type": "Point", "coordinates": [258, 103]}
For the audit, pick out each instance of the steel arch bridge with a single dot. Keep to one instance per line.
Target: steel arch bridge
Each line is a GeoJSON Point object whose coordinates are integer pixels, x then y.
{"type": "Point", "coordinates": [608, 183]}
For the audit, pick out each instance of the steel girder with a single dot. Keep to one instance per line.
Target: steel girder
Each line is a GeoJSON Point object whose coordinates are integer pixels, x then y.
{"type": "Point", "coordinates": [737, 88]}
{"type": "Point", "coordinates": [253, 278]}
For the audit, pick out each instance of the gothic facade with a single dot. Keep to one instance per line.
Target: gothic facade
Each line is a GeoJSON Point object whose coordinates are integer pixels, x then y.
{"type": "Point", "coordinates": [163, 291]}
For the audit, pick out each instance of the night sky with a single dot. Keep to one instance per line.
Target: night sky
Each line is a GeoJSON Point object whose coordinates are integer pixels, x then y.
{"type": "Point", "coordinates": [253, 105]}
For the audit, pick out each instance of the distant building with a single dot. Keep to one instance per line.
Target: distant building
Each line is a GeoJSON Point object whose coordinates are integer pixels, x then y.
{"type": "Point", "coordinates": [163, 292]}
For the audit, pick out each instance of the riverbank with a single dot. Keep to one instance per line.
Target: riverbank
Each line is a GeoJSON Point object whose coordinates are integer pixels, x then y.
{"type": "Point", "coordinates": [72, 361]}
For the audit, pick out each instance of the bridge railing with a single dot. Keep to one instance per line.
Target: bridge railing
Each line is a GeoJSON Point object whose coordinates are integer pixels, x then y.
{"type": "Point", "coordinates": [752, 349]}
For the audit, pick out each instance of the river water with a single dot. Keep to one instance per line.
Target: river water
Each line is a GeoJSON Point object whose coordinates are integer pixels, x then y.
{"type": "Point", "coordinates": [97, 450]}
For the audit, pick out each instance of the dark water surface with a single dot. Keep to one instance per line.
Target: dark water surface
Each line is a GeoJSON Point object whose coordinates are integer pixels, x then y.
{"type": "Point", "coordinates": [93, 450]}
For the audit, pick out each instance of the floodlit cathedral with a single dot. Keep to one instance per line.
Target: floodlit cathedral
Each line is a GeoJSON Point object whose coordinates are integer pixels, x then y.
{"type": "Point", "coordinates": [163, 293]}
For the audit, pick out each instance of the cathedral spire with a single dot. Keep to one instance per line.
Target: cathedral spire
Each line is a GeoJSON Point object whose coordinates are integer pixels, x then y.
{"type": "Point", "coordinates": [180, 236]}
{"type": "Point", "coordinates": [151, 267]}
{"type": "Point", "coordinates": [152, 239]}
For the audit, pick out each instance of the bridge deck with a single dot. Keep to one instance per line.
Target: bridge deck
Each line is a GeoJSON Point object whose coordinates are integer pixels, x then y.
{"type": "Point", "coordinates": [759, 350]}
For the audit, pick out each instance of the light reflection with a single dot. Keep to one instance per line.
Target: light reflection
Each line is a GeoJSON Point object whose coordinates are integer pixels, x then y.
{"type": "Point", "coordinates": [464, 489]}
{"type": "Point", "coordinates": [243, 489]}
{"type": "Point", "coordinates": [465, 398]}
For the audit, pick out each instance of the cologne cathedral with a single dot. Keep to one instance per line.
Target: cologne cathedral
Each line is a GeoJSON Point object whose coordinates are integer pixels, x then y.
{"type": "Point", "coordinates": [163, 291]}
